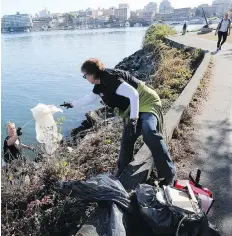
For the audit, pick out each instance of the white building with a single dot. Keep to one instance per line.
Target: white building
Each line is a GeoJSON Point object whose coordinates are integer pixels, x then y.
{"type": "Point", "coordinates": [219, 7]}
{"type": "Point", "coordinates": [148, 16]}
{"type": "Point", "coordinates": [151, 7]}
{"type": "Point", "coordinates": [44, 13]}
{"type": "Point", "coordinates": [222, 6]}
{"type": "Point", "coordinates": [165, 7]}
{"type": "Point", "coordinates": [96, 13]}
{"type": "Point", "coordinates": [149, 11]}
{"type": "Point", "coordinates": [53, 23]}
{"type": "Point", "coordinates": [139, 13]}
{"type": "Point", "coordinates": [120, 6]}
{"type": "Point", "coordinates": [109, 12]}
{"type": "Point", "coordinates": [103, 19]}
{"type": "Point", "coordinates": [16, 21]}
{"type": "Point", "coordinates": [56, 14]}
{"type": "Point", "coordinates": [123, 12]}
{"type": "Point", "coordinates": [209, 10]}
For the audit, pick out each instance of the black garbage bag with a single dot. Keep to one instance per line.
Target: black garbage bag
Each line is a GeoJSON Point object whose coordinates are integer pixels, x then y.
{"type": "Point", "coordinates": [118, 221]}
{"type": "Point", "coordinates": [103, 187]}
{"type": "Point", "coordinates": [166, 220]}
{"type": "Point", "coordinates": [154, 211]}
{"type": "Point", "coordinates": [148, 215]}
{"type": "Point", "coordinates": [107, 188]}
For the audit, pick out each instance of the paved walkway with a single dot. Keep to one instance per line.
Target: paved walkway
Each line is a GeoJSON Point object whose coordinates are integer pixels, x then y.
{"type": "Point", "coordinates": [213, 133]}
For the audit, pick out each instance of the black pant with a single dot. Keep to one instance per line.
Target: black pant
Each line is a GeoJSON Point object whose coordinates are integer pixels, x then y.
{"type": "Point", "coordinates": [220, 36]}
{"type": "Point", "coordinates": [147, 126]}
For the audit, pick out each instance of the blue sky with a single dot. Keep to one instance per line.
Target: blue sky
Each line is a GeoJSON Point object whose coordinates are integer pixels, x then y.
{"type": "Point", "coordinates": [56, 6]}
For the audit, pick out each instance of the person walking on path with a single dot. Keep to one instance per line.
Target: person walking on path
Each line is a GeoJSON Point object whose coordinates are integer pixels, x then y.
{"type": "Point", "coordinates": [223, 30]}
{"type": "Point", "coordinates": [184, 28]}
{"type": "Point", "coordinates": [140, 107]}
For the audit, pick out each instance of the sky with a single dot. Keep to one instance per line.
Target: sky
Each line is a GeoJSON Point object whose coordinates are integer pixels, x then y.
{"type": "Point", "coordinates": [60, 6]}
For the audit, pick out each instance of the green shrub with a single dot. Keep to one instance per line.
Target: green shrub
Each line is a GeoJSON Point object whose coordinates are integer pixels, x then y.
{"type": "Point", "coordinates": [155, 34]}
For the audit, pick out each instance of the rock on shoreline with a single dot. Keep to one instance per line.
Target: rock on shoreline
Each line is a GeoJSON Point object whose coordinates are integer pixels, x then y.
{"type": "Point", "coordinates": [141, 63]}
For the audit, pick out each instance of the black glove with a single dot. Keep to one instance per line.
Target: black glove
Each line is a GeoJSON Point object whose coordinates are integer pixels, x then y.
{"type": "Point", "coordinates": [102, 103]}
{"type": "Point", "coordinates": [67, 105]}
{"type": "Point", "coordinates": [131, 127]}
{"type": "Point", "coordinates": [19, 131]}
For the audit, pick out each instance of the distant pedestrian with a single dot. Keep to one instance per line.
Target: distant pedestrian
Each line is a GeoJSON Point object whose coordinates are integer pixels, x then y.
{"type": "Point", "coordinates": [223, 30]}
{"type": "Point", "coordinates": [184, 28]}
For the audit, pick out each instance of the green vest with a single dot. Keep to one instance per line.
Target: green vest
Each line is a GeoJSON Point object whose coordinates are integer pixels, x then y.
{"type": "Point", "coordinates": [149, 101]}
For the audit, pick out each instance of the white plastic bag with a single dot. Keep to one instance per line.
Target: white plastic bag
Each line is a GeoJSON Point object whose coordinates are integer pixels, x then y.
{"type": "Point", "coordinates": [45, 126]}
{"type": "Point", "coordinates": [3, 163]}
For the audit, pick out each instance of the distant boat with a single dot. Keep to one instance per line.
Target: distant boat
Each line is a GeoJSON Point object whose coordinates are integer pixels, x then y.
{"type": "Point", "coordinates": [127, 24]}
{"type": "Point", "coordinates": [138, 25]}
{"type": "Point", "coordinates": [15, 30]}
{"type": "Point", "coordinates": [175, 23]}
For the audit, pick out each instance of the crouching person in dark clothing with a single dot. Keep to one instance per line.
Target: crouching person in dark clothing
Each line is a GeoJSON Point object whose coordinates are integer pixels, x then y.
{"type": "Point", "coordinates": [12, 145]}
{"type": "Point", "coordinates": [140, 107]}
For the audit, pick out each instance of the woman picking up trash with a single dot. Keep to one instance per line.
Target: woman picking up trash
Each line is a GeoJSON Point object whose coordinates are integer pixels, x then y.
{"type": "Point", "coordinates": [140, 107]}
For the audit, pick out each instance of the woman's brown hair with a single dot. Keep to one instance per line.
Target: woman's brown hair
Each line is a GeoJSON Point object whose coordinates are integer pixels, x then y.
{"type": "Point", "coordinates": [93, 66]}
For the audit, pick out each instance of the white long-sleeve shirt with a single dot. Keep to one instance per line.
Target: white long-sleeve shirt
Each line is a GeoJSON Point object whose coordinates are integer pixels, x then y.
{"type": "Point", "coordinates": [124, 89]}
{"type": "Point", "coordinates": [90, 98]}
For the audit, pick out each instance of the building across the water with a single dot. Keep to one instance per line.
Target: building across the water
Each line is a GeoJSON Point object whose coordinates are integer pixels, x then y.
{"type": "Point", "coordinates": [16, 23]}
{"type": "Point", "coordinates": [180, 14]}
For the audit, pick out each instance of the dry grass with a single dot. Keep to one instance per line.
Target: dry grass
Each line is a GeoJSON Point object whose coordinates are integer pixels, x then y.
{"type": "Point", "coordinates": [176, 68]}
{"type": "Point", "coordinates": [180, 145]}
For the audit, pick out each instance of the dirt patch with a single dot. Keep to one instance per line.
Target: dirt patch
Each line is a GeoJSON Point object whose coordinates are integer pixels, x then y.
{"type": "Point", "coordinates": [180, 145]}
